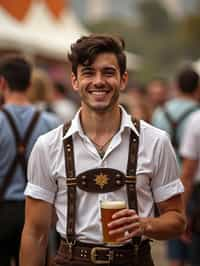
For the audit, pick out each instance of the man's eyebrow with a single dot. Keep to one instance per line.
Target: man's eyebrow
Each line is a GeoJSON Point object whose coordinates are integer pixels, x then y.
{"type": "Point", "coordinates": [109, 68]}
{"type": "Point", "coordinates": [84, 68]}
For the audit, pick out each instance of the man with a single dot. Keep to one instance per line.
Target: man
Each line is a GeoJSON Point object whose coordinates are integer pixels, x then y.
{"type": "Point", "coordinates": [157, 92]}
{"type": "Point", "coordinates": [20, 125]}
{"type": "Point", "coordinates": [189, 149]}
{"type": "Point", "coordinates": [173, 118]}
{"type": "Point", "coordinates": [98, 163]}
{"type": "Point", "coordinates": [61, 104]}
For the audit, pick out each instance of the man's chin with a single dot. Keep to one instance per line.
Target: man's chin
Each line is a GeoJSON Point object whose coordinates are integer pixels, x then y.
{"type": "Point", "coordinates": [100, 108]}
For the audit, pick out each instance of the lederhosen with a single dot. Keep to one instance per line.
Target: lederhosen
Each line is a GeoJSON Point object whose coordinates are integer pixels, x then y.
{"type": "Point", "coordinates": [12, 211]}
{"type": "Point", "coordinates": [73, 252]}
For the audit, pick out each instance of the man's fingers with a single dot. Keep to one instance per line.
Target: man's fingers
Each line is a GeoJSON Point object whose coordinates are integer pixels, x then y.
{"type": "Point", "coordinates": [120, 222]}
{"type": "Point", "coordinates": [129, 236]}
{"type": "Point", "coordinates": [126, 228]}
{"type": "Point", "coordinates": [123, 213]}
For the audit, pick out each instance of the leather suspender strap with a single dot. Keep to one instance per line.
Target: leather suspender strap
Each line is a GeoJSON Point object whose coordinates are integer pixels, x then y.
{"type": "Point", "coordinates": [21, 144]}
{"type": "Point", "coordinates": [175, 123]}
{"type": "Point", "coordinates": [31, 127]}
{"type": "Point", "coordinates": [71, 190]}
{"type": "Point", "coordinates": [72, 182]}
{"type": "Point", "coordinates": [131, 175]}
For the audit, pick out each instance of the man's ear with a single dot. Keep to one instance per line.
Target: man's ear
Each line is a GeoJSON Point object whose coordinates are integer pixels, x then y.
{"type": "Point", "coordinates": [124, 81]}
{"type": "Point", "coordinates": [74, 81]}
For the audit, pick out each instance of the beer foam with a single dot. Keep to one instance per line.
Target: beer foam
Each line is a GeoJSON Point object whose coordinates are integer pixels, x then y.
{"type": "Point", "coordinates": [106, 204]}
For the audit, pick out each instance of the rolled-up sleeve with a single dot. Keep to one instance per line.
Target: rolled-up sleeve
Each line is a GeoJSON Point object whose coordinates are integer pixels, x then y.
{"type": "Point", "coordinates": [166, 182]}
{"type": "Point", "coordinates": [41, 184]}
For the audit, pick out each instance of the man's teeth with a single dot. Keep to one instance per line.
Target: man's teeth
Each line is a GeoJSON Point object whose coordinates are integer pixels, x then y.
{"type": "Point", "coordinates": [98, 92]}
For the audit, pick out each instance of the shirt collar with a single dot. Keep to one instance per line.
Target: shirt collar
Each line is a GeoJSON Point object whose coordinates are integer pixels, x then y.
{"type": "Point", "coordinates": [126, 121]}
{"type": "Point", "coordinates": [75, 127]}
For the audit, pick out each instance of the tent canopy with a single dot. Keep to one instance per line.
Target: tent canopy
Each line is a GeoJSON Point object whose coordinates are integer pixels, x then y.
{"type": "Point", "coordinates": [42, 27]}
{"type": "Point", "coordinates": [40, 31]}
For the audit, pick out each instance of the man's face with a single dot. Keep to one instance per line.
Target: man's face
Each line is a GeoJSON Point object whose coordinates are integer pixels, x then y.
{"type": "Point", "coordinates": [99, 84]}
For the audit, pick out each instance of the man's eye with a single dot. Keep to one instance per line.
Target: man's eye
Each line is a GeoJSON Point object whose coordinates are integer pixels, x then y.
{"type": "Point", "coordinates": [109, 73]}
{"type": "Point", "coordinates": [88, 73]}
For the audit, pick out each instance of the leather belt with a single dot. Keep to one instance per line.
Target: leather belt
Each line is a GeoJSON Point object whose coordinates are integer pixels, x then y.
{"type": "Point", "coordinates": [99, 254]}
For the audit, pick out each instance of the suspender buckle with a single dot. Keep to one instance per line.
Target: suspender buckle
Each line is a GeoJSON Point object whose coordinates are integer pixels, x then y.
{"type": "Point", "coordinates": [71, 181]}
{"type": "Point", "coordinates": [130, 179]}
{"type": "Point", "coordinates": [70, 245]}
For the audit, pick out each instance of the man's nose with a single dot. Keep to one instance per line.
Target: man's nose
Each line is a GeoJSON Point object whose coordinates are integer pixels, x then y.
{"type": "Point", "coordinates": [99, 80]}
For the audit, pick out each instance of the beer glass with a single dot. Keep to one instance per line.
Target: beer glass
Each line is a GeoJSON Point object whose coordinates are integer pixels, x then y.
{"type": "Point", "coordinates": [108, 208]}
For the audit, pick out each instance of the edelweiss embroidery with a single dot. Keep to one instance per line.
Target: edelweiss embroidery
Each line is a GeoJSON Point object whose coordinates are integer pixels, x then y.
{"type": "Point", "coordinates": [101, 180]}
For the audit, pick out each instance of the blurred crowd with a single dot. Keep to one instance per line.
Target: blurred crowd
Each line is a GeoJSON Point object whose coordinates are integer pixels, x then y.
{"type": "Point", "coordinates": [169, 104]}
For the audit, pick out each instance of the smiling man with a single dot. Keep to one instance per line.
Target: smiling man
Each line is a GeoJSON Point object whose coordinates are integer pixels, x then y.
{"type": "Point", "coordinates": [131, 160]}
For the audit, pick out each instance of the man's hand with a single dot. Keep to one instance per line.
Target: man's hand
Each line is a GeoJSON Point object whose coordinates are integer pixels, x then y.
{"type": "Point", "coordinates": [128, 223]}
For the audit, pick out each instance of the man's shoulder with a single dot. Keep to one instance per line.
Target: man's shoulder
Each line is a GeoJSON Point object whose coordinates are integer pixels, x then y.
{"type": "Point", "coordinates": [149, 131]}
{"type": "Point", "coordinates": [2, 121]}
{"type": "Point", "coordinates": [53, 136]}
{"type": "Point", "coordinates": [194, 119]}
{"type": "Point", "coordinates": [51, 140]}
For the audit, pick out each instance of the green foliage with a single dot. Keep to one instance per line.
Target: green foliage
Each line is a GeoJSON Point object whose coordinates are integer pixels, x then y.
{"type": "Point", "coordinates": [162, 41]}
{"type": "Point", "coordinates": [154, 16]}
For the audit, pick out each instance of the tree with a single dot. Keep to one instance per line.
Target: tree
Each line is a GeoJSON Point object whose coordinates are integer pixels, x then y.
{"type": "Point", "coordinates": [154, 16]}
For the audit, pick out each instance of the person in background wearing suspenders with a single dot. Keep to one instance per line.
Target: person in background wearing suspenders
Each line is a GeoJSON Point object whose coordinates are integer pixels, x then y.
{"type": "Point", "coordinates": [20, 125]}
{"type": "Point", "coordinates": [173, 119]}
{"type": "Point", "coordinates": [189, 149]}
{"type": "Point", "coordinates": [101, 155]}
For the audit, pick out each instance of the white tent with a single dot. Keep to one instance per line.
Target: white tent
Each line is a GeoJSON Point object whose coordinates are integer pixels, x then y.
{"type": "Point", "coordinates": [40, 33]}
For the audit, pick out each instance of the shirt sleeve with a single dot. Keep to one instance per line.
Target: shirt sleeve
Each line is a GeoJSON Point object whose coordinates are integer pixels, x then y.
{"type": "Point", "coordinates": [165, 182]}
{"type": "Point", "coordinates": [41, 184]}
{"type": "Point", "coordinates": [189, 147]}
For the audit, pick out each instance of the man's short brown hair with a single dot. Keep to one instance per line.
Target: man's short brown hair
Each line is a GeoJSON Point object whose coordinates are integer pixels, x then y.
{"type": "Point", "coordinates": [85, 50]}
{"type": "Point", "coordinates": [16, 70]}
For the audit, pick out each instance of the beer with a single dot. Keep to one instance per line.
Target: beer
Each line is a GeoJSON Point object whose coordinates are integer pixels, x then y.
{"type": "Point", "coordinates": [108, 208]}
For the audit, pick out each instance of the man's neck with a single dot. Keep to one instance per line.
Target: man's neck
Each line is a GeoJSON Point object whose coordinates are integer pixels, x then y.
{"type": "Point", "coordinates": [17, 98]}
{"type": "Point", "coordinates": [188, 96]}
{"type": "Point", "coordinates": [100, 127]}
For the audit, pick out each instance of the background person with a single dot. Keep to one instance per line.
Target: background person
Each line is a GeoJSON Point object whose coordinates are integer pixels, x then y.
{"type": "Point", "coordinates": [61, 104]}
{"type": "Point", "coordinates": [189, 149]}
{"type": "Point", "coordinates": [158, 92]}
{"type": "Point", "coordinates": [40, 92]}
{"type": "Point", "coordinates": [20, 125]}
{"type": "Point", "coordinates": [173, 119]}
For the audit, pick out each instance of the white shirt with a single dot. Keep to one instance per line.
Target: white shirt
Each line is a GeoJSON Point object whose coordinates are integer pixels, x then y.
{"type": "Point", "coordinates": [190, 144]}
{"type": "Point", "coordinates": [157, 173]}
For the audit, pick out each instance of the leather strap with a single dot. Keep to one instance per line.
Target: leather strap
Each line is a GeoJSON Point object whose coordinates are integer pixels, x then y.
{"type": "Point", "coordinates": [21, 144]}
{"type": "Point", "coordinates": [131, 175]}
{"type": "Point", "coordinates": [101, 180]}
{"type": "Point", "coordinates": [176, 123]}
{"type": "Point", "coordinates": [72, 181]}
{"type": "Point", "coordinates": [93, 254]}
{"type": "Point", "coordinates": [71, 187]}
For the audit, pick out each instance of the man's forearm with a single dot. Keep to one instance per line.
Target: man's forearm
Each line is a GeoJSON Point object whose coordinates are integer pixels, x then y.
{"type": "Point", "coordinates": [166, 226]}
{"type": "Point", "coordinates": [33, 250]}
